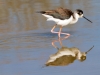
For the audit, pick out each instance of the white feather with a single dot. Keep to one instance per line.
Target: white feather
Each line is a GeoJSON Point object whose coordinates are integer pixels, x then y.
{"type": "Point", "coordinates": [62, 53]}
{"type": "Point", "coordinates": [58, 21]}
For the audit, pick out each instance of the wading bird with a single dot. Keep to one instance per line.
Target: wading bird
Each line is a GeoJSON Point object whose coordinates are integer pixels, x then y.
{"type": "Point", "coordinates": [63, 17]}
{"type": "Point", "coordinates": [65, 56]}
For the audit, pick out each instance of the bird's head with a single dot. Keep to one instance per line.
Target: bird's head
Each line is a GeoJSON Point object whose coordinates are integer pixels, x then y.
{"type": "Point", "coordinates": [83, 56]}
{"type": "Point", "coordinates": [80, 14]}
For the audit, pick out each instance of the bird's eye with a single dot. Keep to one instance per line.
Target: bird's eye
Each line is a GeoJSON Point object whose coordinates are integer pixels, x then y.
{"type": "Point", "coordinates": [80, 13]}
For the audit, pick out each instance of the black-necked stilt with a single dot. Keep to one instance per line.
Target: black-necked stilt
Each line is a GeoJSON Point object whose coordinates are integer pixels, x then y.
{"type": "Point", "coordinates": [65, 56]}
{"type": "Point", "coordinates": [62, 17]}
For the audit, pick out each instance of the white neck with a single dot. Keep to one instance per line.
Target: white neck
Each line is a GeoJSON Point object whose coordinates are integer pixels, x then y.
{"type": "Point", "coordinates": [79, 55]}
{"type": "Point", "coordinates": [75, 18]}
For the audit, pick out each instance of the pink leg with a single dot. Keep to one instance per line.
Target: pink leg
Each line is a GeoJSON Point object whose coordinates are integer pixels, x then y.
{"type": "Point", "coordinates": [58, 40]}
{"type": "Point", "coordinates": [52, 30]}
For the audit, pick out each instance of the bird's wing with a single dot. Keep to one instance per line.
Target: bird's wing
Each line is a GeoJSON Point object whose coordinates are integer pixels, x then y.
{"type": "Point", "coordinates": [59, 13]}
{"type": "Point", "coordinates": [62, 61]}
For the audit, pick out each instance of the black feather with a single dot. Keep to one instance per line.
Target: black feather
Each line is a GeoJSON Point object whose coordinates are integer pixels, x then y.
{"type": "Point", "coordinates": [42, 12]}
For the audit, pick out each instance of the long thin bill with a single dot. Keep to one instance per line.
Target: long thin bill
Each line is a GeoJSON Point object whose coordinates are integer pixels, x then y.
{"type": "Point", "coordinates": [89, 50]}
{"type": "Point", "coordinates": [87, 19]}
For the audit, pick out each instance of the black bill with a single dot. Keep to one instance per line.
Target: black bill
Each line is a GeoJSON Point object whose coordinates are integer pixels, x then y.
{"type": "Point", "coordinates": [89, 50]}
{"type": "Point", "coordinates": [87, 19]}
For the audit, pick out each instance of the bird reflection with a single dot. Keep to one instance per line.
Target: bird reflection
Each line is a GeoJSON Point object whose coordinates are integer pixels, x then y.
{"type": "Point", "coordinates": [65, 56]}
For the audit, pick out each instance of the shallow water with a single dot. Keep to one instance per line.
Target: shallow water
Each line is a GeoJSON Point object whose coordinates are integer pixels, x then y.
{"type": "Point", "coordinates": [25, 37]}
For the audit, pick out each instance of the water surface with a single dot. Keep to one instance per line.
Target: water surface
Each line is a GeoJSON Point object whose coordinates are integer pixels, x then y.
{"type": "Point", "coordinates": [25, 37]}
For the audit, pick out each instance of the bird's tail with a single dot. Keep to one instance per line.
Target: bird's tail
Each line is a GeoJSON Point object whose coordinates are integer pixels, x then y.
{"type": "Point", "coordinates": [42, 12]}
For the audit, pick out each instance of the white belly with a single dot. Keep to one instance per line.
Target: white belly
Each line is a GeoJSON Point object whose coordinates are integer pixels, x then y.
{"type": "Point", "coordinates": [65, 22]}
{"type": "Point", "coordinates": [58, 21]}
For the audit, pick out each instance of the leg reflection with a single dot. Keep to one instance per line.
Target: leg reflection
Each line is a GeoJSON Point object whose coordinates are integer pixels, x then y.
{"type": "Point", "coordinates": [60, 41]}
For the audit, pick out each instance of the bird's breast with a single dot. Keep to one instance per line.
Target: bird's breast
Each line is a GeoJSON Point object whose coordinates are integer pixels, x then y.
{"type": "Point", "coordinates": [65, 22]}
{"type": "Point", "coordinates": [59, 21]}
{"type": "Point", "coordinates": [73, 21]}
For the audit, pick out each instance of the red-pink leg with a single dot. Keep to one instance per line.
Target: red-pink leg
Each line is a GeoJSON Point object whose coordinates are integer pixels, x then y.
{"type": "Point", "coordinates": [59, 31]}
{"type": "Point", "coordinates": [58, 40]}
{"type": "Point", "coordinates": [52, 30]}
